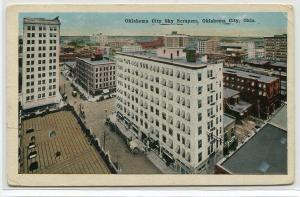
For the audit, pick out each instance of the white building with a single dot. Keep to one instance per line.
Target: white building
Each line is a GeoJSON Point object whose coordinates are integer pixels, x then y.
{"type": "Point", "coordinates": [40, 62]}
{"type": "Point", "coordinates": [132, 48]}
{"type": "Point", "coordinates": [251, 49]}
{"type": "Point", "coordinates": [174, 106]}
{"type": "Point", "coordinates": [100, 39]}
{"type": "Point", "coordinates": [175, 40]}
{"type": "Point", "coordinates": [259, 53]}
{"type": "Point", "coordinates": [202, 46]}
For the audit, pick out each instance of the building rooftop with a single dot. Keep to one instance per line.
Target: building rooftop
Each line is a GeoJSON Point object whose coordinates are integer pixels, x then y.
{"type": "Point", "coordinates": [70, 64]}
{"type": "Point", "coordinates": [60, 146]}
{"type": "Point", "coordinates": [241, 107]}
{"type": "Point", "coordinates": [250, 75]}
{"type": "Point", "coordinates": [176, 62]}
{"type": "Point", "coordinates": [228, 93]}
{"type": "Point", "coordinates": [96, 62]}
{"type": "Point", "coordinates": [279, 64]}
{"type": "Point", "coordinates": [44, 21]}
{"type": "Point", "coordinates": [280, 118]}
{"type": "Point", "coordinates": [256, 61]}
{"type": "Point", "coordinates": [264, 153]}
{"type": "Point", "coordinates": [227, 120]}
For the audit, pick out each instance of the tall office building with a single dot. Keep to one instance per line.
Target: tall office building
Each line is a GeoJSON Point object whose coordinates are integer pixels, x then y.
{"type": "Point", "coordinates": [276, 47]}
{"type": "Point", "coordinates": [250, 50]}
{"type": "Point", "coordinates": [40, 69]}
{"type": "Point", "coordinates": [174, 106]}
{"type": "Point", "coordinates": [175, 40]}
{"type": "Point", "coordinates": [202, 46]}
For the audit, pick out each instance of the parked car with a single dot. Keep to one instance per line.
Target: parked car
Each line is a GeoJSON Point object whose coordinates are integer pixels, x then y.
{"type": "Point", "coordinates": [74, 93]}
{"type": "Point", "coordinates": [136, 146]}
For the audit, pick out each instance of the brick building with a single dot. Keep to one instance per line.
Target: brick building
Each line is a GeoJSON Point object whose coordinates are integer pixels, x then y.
{"type": "Point", "coordinates": [260, 90]}
{"type": "Point", "coordinates": [95, 74]}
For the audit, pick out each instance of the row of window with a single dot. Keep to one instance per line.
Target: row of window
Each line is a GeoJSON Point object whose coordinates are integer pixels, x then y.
{"type": "Point", "coordinates": [40, 96]}
{"type": "Point", "coordinates": [41, 35]}
{"type": "Point", "coordinates": [40, 48]}
{"type": "Point", "coordinates": [104, 85]}
{"type": "Point", "coordinates": [105, 79]}
{"type": "Point", "coordinates": [41, 28]}
{"type": "Point", "coordinates": [40, 82]}
{"type": "Point", "coordinates": [40, 75]}
{"type": "Point", "coordinates": [105, 68]}
{"type": "Point", "coordinates": [106, 74]}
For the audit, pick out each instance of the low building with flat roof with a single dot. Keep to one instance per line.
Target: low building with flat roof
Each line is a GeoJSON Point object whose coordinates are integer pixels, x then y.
{"type": "Point", "coordinates": [234, 106]}
{"type": "Point", "coordinates": [264, 153]}
{"type": "Point", "coordinates": [260, 90]}
{"type": "Point", "coordinates": [95, 74]}
{"type": "Point", "coordinates": [280, 119]}
{"type": "Point", "coordinates": [55, 144]}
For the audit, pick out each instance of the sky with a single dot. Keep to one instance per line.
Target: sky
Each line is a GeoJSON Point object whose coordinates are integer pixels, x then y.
{"type": "Point", "coordinates": [85, 24]}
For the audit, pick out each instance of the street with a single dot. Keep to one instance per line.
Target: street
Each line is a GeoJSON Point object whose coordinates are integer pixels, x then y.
{"type": "Point", "coordinates": [95, 120]}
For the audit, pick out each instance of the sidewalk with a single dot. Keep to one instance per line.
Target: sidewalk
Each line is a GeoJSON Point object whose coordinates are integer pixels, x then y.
{"type": "Point", "coordinates": [159, 163]}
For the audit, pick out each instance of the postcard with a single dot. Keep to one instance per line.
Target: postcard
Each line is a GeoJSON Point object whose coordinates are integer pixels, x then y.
{"type": "Point", "coordinates": [150, 95]}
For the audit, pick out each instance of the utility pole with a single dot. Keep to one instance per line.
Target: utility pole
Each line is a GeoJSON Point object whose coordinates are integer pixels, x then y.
{"type": "Point", "coordinates": [104, 138]}
{"type": "Point", "coordinates": [104, 133]}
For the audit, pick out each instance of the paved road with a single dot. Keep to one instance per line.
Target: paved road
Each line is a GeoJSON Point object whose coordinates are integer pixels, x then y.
{"type": "Point", "coordinates": [95, 118]}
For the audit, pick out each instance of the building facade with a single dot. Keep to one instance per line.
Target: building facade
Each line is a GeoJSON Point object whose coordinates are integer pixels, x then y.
{"type": "Point", "coordinates": [202, 46]}
{"type": "Point", "coordinates": [175, 40]}
{"type": "Point", "coordinates": [40, 83]}
{"type": "Point", "coordinates": [100, 39]}
{"type": "Point", "coordinates": [251, 50]}
{"type": "Point", "coordinates": [95, 75]}
{"type": "Point", "coordinates": [276, 47]}
{"type": "Point", "coordinates": [173, 106]}
{"type": "Point", "coordinates": [132, 48]}
{"type": "Point", "coordinates": [213, 46]}
{"type": "Point", "coordinates": [260, 90]}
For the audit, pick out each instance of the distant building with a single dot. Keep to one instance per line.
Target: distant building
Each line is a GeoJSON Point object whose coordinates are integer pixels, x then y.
{"type": "Point", "coordinates": [260, 90]}
{"type": "Point", "coordinates": [276, 47]}
{"type": "Point", "coordinates": [213, 46]}
{"type": "Point", "coordinates": [234, 52]}
{"type": "Point", "coordinates": [117, 44]}
{"type": "Point", "coordinates": [174, 106]}
{"type": "Point", "coordinates": [95, 74]}
{"type": "Point", "coordinates": [259, 53]}
{"type": "Point", "coordinates": [40, 62]}
{"type": "Point", "coordinates": [100, 39]}
{"type": "Point", "coordinates": [202, 46]}
{"type": "Point", "coordinates": [154, 44]}
{"type": "Point", "coordinates": [175, 40]}
{"type": "Point", "coordinates": [132, 48]}
{"type": "Point", "coordinates": [251, 49]}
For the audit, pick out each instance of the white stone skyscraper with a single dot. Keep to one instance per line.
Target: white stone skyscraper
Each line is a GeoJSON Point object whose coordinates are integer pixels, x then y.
{"type": "Point", "coordinates": [173, 105]}
{"type": "Point", "coordinates": [40, 69]}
